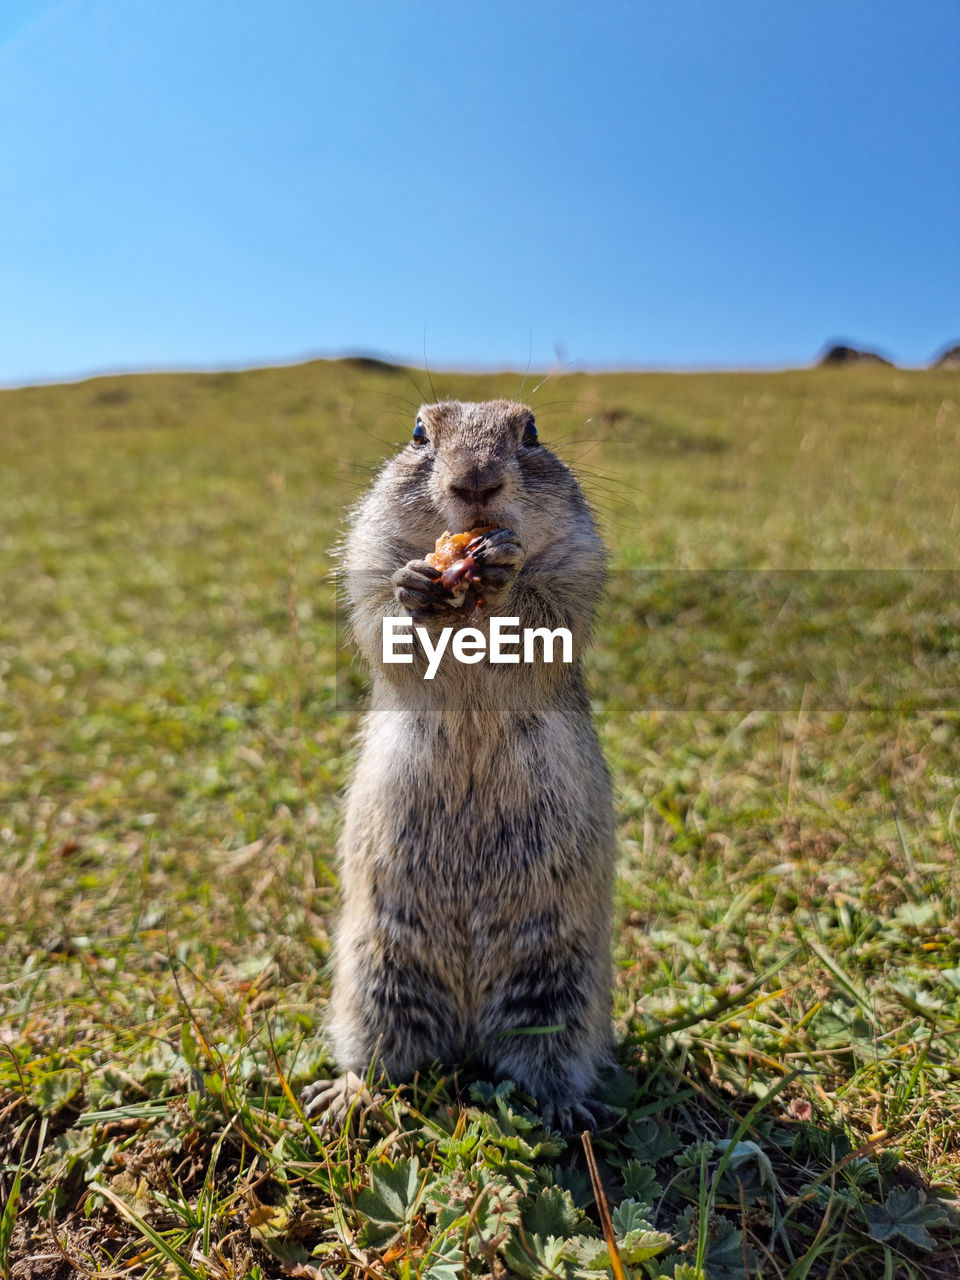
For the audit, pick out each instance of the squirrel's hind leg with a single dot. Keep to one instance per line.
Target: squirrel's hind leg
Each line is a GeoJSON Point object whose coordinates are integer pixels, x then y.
{"type": "Point", "coordinates": [547, 1027]}
{"type": "Point", "coordinates": [388, 1010]}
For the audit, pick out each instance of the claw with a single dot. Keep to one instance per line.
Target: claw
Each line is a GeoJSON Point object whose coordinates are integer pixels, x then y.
{"type": "Point", "coordinates": [502, 548]}
{"type": "Point", "coordinates": [572, 1117]}
{"type": "Point", "coordinates": [592, 1114]}
{"type": "Point", "coordinates": [417, 588]}
{"type": "Point", "coordinates": [335, 1100]}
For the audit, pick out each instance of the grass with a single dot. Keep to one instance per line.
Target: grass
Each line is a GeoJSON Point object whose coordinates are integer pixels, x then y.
{"type": "Point", "coordinates": [775, 681]}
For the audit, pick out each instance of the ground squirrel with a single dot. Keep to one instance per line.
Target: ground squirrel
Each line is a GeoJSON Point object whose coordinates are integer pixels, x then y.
{"type": "Point", "coordinates": [478, 846]}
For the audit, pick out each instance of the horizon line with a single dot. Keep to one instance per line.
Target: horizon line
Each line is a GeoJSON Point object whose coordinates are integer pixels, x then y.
{"type": "Point", "coordinates": [388, 361]}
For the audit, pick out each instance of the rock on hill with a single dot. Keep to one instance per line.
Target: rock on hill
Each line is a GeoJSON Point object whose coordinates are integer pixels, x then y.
{"type": "Point", "coordinates": [948, 358]}
{"type": "Point", "coordinates": [838, 353]}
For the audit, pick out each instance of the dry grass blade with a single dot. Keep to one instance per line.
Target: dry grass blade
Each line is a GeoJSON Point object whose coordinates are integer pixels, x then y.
{"type": "Point", "coordinates": [603, 1208]}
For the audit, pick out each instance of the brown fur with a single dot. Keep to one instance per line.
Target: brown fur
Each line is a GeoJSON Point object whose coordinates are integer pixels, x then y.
{"type": "Point", "coordinates": [477, 852]}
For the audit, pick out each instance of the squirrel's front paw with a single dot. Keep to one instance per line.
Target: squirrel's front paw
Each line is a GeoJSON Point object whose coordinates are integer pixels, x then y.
{"type": "Point", "coordinates": [417, 589]}
{"type": "Point", "coordinates": [500, 557]}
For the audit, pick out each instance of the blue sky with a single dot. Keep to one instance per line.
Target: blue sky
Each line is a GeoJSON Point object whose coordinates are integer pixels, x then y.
{"type": "Point", "coordinates": [630, 182]}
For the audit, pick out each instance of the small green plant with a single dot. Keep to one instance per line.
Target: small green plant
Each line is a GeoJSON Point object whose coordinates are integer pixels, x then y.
{"type": "Point", "coordinates": [8, 1221]}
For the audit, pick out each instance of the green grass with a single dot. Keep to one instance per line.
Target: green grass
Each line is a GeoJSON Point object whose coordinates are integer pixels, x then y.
{"type": "Point", "coordinates": [775, 681]}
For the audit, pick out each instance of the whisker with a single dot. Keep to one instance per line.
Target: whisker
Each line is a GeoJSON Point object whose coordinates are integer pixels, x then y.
{"type": "Point", "coordinates": [554, 373]}
{"type": "Point", "coordinates": [426, 365]}
{"type": "Point", "coordinates": [527, 369]}
{"type": "Point", "coordinates": [606, 478]}
{"type": "Point", "coordinates": [412, 405]}
{"type": "Point", "coordinates": [421, 397]}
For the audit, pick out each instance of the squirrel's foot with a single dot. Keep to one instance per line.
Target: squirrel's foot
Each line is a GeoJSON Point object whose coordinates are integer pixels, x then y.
{"type": "Point", "coordinates": [500, 557]}
{"type": "Point", "coordinates": [336, 1101]}
{"type": "Point", "coordinates": [572, 1117]}
{"type": "Point", "coordinates": [418, 590]}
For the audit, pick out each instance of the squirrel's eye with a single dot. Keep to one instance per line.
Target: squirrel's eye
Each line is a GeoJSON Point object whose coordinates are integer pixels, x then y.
{"type": "Point", "coordinates": [419, 433]}
{"type": "Point", "coordinates": [530, 433]}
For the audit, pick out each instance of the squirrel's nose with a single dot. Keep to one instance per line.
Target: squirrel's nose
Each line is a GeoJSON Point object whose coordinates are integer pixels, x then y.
{"type": "Point", "coordinates": [476, 497]}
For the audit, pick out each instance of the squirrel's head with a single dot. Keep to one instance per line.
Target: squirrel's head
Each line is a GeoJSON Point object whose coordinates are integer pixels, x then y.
{"type": "Point", "coordinates": [470, 464]}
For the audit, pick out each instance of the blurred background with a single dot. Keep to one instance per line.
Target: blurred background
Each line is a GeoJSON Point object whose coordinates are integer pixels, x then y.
{"type": "Point", "coordinates": [619, 185]}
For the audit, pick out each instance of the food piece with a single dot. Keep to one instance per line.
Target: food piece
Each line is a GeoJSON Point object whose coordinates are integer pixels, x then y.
{"type": "Point", "coordinates": [452, 547]}
{"type": "Point", "coordinates": [455, 555]}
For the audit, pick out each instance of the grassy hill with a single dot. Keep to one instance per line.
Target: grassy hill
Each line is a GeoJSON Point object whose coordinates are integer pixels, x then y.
{"type": "Point", "coordinates": [775, 681]}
